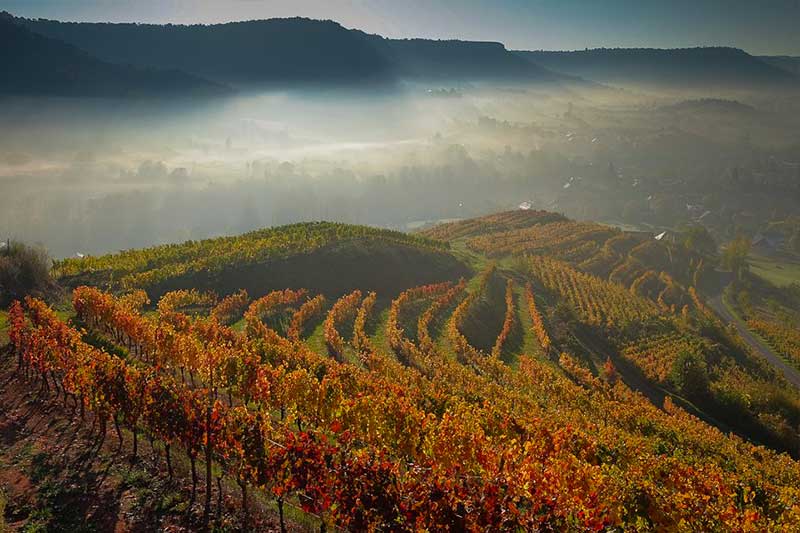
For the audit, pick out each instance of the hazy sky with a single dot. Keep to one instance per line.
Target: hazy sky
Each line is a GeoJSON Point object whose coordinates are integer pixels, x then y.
{"type": "Point", "coordinates": [758, 26]}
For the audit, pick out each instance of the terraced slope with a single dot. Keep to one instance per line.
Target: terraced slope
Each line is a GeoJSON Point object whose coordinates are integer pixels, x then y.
{"type": "Point", "coordinates": [505, 221]}
{"type": "Point", "coordinates": [529, 395]}
{"type": "Point", "coordinates": [629, 301]}
{"type": "Point", "coordinates": [337, 431]}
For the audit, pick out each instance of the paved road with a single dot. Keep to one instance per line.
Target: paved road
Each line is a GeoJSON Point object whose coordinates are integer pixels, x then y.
{"type": "Point", "coordinates": [789, 372]}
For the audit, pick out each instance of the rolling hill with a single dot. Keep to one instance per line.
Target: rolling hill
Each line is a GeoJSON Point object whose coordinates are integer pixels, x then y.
{"type": "Point", "coordinates": [327, 257]}
{"type": "Point", "coordinates": [672, 68]}
{"type": "Point", "coordinates": [34, 65]}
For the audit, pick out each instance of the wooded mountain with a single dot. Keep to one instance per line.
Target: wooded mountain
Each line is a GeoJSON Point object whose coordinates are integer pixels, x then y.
{"type": "Point", "coordinates": [685, 67]}
{"type": "Point", "coordinates": [300, 51]}
{"type": "Point", "coordinates": [291, 51]}
{"type": "Point", "coordinates": [37, 65]}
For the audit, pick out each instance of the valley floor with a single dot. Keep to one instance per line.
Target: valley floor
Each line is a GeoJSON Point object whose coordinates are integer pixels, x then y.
{"type": "Point", "coordinates": [776, 270]}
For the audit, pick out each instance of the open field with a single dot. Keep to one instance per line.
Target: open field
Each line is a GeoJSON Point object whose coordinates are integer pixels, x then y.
{"type": "Point", "coordinates": [777, 271]}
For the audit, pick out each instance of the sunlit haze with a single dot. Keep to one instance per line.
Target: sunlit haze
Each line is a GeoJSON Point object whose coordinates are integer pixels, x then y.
{"type": "Point", "coordinates": [386, 265]}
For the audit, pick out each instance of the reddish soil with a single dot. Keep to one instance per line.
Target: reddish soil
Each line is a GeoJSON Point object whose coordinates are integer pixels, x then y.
{"type": "Point", "coordinates": [56, 473]}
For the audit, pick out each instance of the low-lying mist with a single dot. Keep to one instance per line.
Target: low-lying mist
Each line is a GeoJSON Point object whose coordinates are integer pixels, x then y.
{"type": "Point", "coordinates": [92, 176]}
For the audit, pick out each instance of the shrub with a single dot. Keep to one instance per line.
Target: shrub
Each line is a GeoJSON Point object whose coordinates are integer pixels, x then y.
{"type": "Point", "coordinates": [690, 374]}
{"type": "Point", "coordinates": [24, 270]}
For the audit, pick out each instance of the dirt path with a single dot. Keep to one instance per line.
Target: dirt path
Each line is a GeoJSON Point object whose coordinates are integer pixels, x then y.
{"type": "Point", "coordinates": [789, 372]}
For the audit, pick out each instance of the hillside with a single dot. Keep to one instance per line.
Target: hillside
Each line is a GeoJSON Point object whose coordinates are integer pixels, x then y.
{"type": "Point", "coordinates": [291, 51]}
{"type": "Point", "coordinates": [34, 65]}
{"type": "Point", "coordinates": [278, 50]}
{"type": "Point", "coordinates": [448, 60]}
{"type": "Point", "coordinates": [671, 68]}
{"type": "Point", "coordinates": [790, 64]}
{"type": "Point", "coordinates": [573, 380]}
{"type": "Point", "coordinates": [710, 105]}
{"type": "Point", "coordinates": [506, 221]}
{"type": "Point", "coordinates": [328, 257]}
{"type": "Point", "coordinates": [633, 299]}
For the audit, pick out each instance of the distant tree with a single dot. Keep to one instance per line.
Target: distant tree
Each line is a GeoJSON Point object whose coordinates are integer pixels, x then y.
{"type": "Point", "coordinates": [744, 302]}
{"type": "Point", "coordinates": [564, 313]}
{"type": "Point", "coordinates": [630, 213]}
{"type": "Point", "coordinates": [690, 374]}
{"type": "Point", "coordinates": [24, 270]}
{"type": "Point", "coordinates": [667, 207]}
{"type": "Point", "coordinates": [698, 239]}
{"type": "Point", "coordinates": [699, 273]}
{"type": "Point", "coordinates": [734, 255]}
